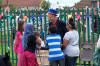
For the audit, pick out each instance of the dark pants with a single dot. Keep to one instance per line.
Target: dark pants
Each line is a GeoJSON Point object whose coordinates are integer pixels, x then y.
{"type": "Point", "coordinates": [58, 63]}
{"type": "Point", "coordinates": [70, 61]}
{"type": "Point", "coordinates": [98, 62]}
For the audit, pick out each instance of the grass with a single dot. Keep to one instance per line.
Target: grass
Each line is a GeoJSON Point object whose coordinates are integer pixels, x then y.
{"type": "Point", "coordinates": [4, 47]}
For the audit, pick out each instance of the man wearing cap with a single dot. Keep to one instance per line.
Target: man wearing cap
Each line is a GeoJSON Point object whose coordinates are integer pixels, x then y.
{"type": "Point", "coordinates": [61, 26]}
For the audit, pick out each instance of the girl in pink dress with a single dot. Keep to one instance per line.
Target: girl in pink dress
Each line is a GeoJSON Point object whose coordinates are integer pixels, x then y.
{"type": "Point", "coordinates": [20, 50]}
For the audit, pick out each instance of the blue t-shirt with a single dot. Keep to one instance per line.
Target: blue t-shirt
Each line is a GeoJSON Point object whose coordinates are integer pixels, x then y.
{"type": "Point", "coordinates": [54, 43]}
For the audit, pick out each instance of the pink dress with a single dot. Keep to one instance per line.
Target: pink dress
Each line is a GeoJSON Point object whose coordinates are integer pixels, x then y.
{"type": "Point", "coordinates": [29, 59]}
{"type": "Point", "coordinates": [20, 50]}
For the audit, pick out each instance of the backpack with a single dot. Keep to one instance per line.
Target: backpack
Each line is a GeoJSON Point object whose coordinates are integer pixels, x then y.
{"type": "Point", "coordinates": [15, 45]}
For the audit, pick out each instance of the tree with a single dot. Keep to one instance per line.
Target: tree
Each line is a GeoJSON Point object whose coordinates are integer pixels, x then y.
{"type": "Point", "coordinates": [45, 4]}
{"type": "Point", "coordinates": [12, 6]}
{"type": "Point", "coordinates": [1, 3]}
{"type": "Point", "coordinates": [66, 7]}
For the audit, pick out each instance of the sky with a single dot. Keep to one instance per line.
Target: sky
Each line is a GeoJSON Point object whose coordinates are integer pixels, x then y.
{"type": "Point", "coordinates": [63, 2]}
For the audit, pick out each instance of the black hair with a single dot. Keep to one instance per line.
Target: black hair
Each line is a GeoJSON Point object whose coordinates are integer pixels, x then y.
{"type": "Point", "coordinates": [31, 44]}
{"type": "Point", "coordinates": [53, 29]}
{"type": "Point", "coordinates": [72, 23]}
{"type": "Point", "coordinates": [20, 26]}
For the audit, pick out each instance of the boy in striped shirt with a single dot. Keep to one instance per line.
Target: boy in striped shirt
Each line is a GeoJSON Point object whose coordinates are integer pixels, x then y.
{"type": "Point", "coordinates": [53, 41]}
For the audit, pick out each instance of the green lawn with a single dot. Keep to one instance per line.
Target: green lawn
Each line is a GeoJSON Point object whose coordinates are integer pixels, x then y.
{"type": "Point", "coordinates": [4, 47]}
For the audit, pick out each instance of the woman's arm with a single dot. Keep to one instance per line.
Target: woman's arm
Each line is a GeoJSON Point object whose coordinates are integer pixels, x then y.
{"type": "Point", "coordinates": [65, 43]}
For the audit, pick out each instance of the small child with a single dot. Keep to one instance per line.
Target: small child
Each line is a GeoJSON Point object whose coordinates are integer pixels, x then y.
{"type": "Point", "coordinates": [18, 42]}
{"type": "Point", "coordinates": [29, 58]}
{"type": "Point", "coordinates": [37, 35]}
{"type": "Point", "coordinates": [39, 41]}
{"type": "Point", "coordinates": [53, 41]}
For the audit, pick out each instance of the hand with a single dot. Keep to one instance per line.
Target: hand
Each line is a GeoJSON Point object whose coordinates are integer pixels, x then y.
{"type": "Point", "coordinates": [14, 42]}
{"type": "Point", "coordinates": [62, 45]}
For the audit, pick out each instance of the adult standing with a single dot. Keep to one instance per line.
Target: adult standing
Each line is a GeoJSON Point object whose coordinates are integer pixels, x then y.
{"type": "Point", "coordinates": [71, 45]}
{"type": "Point", "coordinates": [60, 25]}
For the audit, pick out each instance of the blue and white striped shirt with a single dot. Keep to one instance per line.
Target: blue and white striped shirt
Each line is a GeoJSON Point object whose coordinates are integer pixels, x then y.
{"type": "Point", "coordinates": [54, 43]}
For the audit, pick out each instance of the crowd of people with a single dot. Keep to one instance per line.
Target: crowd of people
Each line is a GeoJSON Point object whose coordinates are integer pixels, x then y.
{"type": "Point", "coordinates": [61, 41]}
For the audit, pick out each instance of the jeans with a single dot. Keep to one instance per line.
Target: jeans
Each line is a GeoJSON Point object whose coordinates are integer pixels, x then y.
{"type": "Point", "coordinates": [58, 62]}
{"type": "Point", "coordinates": [70, 61]}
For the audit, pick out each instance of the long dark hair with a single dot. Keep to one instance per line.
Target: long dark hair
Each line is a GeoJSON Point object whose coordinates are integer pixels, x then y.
{"type": "Point", "coordinates": [31, 44]}
{"type": "Point", "coordinates": [20, 26]}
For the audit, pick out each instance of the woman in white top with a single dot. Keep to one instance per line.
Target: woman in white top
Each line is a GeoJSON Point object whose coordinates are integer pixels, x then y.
{"type": "Point", "coordinates": [70, 44]}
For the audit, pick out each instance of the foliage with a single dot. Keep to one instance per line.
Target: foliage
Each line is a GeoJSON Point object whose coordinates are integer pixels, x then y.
{"type": "Point", "coordinates": [12, 6]}
{"type": "Point", "coordinates": [66, 7]}
{"type": "Point", "coordinates": [1, 3]}
{"type": "Point", "coordinates": [45, 4]}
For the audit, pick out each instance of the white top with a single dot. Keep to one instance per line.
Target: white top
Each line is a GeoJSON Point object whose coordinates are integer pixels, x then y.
{"type": "Point", "coordinates": [98, 43]}
{"type": "Point", "coordinates": [42, 44]}
{"type": "Point", "coordinates": [72, 49]}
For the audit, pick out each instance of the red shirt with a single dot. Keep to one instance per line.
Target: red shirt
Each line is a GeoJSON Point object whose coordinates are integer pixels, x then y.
{"type": "Point", "coordinates": [30, 59]}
